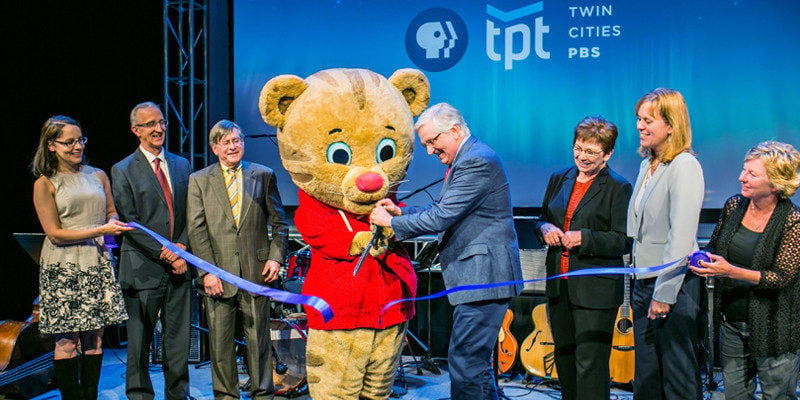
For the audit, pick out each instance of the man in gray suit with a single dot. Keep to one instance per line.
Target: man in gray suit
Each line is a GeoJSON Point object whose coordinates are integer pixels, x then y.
{"type": "Point", "coordinates": [477, 243]}
{"type": "Point", "coordinates": [149, 187]}
{"type": "Point", "coordinates": [232, 205]}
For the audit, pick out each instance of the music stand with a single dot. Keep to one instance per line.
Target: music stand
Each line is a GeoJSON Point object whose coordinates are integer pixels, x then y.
{"type": "Point", "coordinates": [32, 243]}
{"type": "Point", "coordinates": [425, 259]}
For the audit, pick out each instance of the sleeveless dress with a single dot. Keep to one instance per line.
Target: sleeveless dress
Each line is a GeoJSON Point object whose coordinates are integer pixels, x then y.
{"type": "Point", "coordinates": [77, 287]}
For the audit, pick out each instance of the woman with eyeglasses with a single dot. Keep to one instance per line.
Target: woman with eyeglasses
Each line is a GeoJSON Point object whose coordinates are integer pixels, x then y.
{"type": "Point", "coordinates": [756, 247]}
{"type": "Point", "coordinates": [583, 223]}
{"type": "Point", "coordinates": [78, 292]}
{"type": "Point", "coordinates": [663, 216]}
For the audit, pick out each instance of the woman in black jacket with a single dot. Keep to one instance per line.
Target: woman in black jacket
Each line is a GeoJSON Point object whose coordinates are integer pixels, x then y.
{"type": "Point", "coordinates": [583, 223]}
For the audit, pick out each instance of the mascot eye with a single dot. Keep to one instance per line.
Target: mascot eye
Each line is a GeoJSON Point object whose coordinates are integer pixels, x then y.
{"type": "Point", "coordinates": [339, 153]}
{"type": "Point", "coordinates": [386, 150]}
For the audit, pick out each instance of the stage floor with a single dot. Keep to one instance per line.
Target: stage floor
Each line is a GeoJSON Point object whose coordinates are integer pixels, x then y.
{"type": "Point", "coordinates": [424, 386]}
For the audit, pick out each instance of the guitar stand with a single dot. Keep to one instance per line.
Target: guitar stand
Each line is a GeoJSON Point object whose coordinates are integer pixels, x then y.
{"type": "Point", "coordinates": [427, 360]}
{"type": "Point", "coordinates": [495, 366]}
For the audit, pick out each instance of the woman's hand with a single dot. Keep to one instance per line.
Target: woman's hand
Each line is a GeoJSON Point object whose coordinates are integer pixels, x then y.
{"type": "Point", "coordinates": [114, 227]}
{"type": "Point", "coordinates": [552, 235]}
{"type": "Point", "coordinates": [717, 267]}
{"type": "Point", "coordinates": [658, 310]}
{"type": "Point", "coordinates": [571, 239]}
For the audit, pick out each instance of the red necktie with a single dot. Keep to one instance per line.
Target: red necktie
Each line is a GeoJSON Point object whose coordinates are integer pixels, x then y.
{"type": "Point", "coordinates": [447, 175]}
{"type": "Point", "coordinates": [162, 180]}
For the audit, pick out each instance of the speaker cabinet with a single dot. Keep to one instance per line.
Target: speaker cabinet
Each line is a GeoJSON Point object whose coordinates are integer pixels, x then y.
{"type": "Point", "coordinates": [195, 349]}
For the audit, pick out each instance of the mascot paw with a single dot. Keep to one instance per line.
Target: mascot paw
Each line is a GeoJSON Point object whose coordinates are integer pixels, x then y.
{"type": "Point", "coordinates": [360, 242]}
{"type": "Point", "coordinates": [382, 243]}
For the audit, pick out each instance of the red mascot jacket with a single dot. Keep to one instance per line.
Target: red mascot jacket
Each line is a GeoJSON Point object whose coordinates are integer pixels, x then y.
{"type": "Point", "coordinates": [356, 301]}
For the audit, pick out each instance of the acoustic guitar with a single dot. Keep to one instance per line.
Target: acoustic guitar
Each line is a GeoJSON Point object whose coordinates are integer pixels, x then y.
{"type": "Point", "coordinates": [506, 345]}
{"type": "Point", "coordinates": [537, 352]}
{"type": "Point", "coordinates": [621, 362]}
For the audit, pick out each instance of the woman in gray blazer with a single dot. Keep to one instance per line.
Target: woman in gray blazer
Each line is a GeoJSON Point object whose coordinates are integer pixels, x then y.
{"type": "Point", "coordinates": [663, 216]}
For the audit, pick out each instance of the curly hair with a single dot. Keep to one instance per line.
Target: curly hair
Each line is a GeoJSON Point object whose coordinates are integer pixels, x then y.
{"type": "Point", "coordinates": [782, 162]}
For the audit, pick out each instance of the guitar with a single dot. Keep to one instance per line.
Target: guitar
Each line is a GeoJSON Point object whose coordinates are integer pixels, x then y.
{"type": "Point", "coordinates": [506, 345]}
{"type": "Point", "coordinates": [538, 349]}
{"type": "Point", "coordinates": [26, 358]}
{"type": "Point", "coordinates": [621, 361]}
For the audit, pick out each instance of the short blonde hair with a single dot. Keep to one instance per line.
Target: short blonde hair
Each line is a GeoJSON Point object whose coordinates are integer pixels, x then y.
{"type": "Point", "coordinates": [670, 105]}
{"type": "Point", "coordinates": [782, 162]}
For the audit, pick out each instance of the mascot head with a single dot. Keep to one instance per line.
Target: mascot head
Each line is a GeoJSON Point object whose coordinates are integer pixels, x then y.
{"type": "Point", "coordinates": [346, 136]}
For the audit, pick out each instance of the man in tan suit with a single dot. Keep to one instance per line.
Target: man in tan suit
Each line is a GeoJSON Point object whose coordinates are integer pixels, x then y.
{"type": "Point", "coordinates": [230, 208]}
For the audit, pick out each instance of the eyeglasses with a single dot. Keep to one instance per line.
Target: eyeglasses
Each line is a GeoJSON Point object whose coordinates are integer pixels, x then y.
{"type": "Point", "coordinates": [235, 141]}
{"type": "Point", "coordinates": [72, 142]}
{"type": "Point", "coordinates": [153, 124]}
{"type": "Point", "coordinates": [432, 141]}
{"type": "Point", "coordinates": [588, 152]}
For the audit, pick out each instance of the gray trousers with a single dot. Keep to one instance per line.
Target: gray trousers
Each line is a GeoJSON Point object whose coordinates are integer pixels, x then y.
{"type": "Point", "coordinates": [255, 320]}
{"type": "Point", "coordinates": [777, 375]}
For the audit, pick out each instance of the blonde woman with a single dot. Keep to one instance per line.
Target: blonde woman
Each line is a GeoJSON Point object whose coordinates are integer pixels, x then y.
{"type": "Point", "coordinates": [663, 216]}
{"type": "Point", "coordinates": [756, 247]}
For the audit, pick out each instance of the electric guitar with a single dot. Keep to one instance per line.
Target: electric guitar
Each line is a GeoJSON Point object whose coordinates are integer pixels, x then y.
{"type": "Point", "coordinates": [506, 345]}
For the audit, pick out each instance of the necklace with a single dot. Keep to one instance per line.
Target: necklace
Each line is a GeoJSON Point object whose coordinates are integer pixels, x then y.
{"type": "Point", "coordinates": [758, 219]}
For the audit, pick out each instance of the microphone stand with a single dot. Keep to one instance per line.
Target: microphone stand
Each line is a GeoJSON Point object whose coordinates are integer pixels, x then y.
{"type": "Point", "coordinates": [421, 189]}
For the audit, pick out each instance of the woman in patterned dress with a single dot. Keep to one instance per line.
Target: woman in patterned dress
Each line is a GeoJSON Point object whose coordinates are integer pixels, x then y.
{"type": "Point", "coordinates": [79, 295]}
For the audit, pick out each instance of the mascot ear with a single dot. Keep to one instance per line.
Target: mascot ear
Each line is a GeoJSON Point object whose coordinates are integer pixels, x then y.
{"type": "Point", "coordinates": [277, 95]}
{"type": "Point", "coordinates": [414, 87]}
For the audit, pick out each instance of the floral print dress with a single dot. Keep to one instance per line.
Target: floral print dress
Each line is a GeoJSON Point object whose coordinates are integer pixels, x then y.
{"type": "Point", "coordinates": [77, 287]}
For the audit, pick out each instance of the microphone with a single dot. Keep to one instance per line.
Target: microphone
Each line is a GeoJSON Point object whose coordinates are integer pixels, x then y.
{"type": "Point", "coordinates": [376, 233]}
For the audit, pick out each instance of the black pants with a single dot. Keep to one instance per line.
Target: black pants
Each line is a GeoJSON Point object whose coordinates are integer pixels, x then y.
{"type": "Point", "coordinates": [171, 302]}
{"type": "Point", "coordinates": [667, 349]}
{"type": "Point", "coordinates": [582, 339]}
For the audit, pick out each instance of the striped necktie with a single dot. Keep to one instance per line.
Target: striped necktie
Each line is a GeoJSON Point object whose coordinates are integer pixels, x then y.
{"type": "Point", "coordinates": [232, 184]}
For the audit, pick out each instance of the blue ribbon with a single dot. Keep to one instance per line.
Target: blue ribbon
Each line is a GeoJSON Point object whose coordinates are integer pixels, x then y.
{"type": "Point", "coordinates": [647, 271]}
{"type": "Point", "coordinates": [280, 295]}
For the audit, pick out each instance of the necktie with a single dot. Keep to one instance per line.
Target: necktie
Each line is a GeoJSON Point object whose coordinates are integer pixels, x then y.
{"type": "Point", "coordinates": [232, 184]}
{"type": "Point", "coordinates": [162, 180]}
{"type": "Point", "coordinates": [447, 175]}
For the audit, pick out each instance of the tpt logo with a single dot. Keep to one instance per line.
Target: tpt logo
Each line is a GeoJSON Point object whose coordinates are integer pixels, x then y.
{"type": "Point", "coordinates": [515, 40]}
{"type": "Point", "coordinates": [436, 39]}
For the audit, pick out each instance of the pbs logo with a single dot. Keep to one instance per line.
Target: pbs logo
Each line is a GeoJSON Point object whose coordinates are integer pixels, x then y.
{"type": "Point", "coordinates": [436, 39]}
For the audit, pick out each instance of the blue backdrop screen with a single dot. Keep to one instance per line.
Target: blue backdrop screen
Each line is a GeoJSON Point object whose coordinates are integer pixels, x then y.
{"type": "Point", "coordinates": [524, 73]}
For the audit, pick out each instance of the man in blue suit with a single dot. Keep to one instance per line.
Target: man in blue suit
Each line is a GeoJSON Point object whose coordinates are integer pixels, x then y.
{"type": "Point", "coordinates": [150, 188]}
{"type": "Point", "coordinates": [477, 243]}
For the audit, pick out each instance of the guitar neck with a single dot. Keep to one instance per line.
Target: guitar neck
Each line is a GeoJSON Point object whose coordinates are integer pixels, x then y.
{"type": "Point", "coordinates": [626, 297]}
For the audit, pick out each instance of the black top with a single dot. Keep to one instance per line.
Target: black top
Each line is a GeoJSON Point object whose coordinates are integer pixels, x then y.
{"type": "Point", "coordinates": [774, 303]}
{"type": "Point", "coordinates": [735, 293]}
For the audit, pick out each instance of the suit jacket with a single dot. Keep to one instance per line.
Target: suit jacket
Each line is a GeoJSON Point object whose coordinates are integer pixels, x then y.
{"type": "Point", "coordinates": [214, 237]}
{"type": "Point", "coordinates": [138, 198]}
{"type": "Point", "coordinates": [600, 217]}
{"type": "Point", "coordinates": [664, 226]}
{"type": "Point", "coordinates": [474, 220]}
